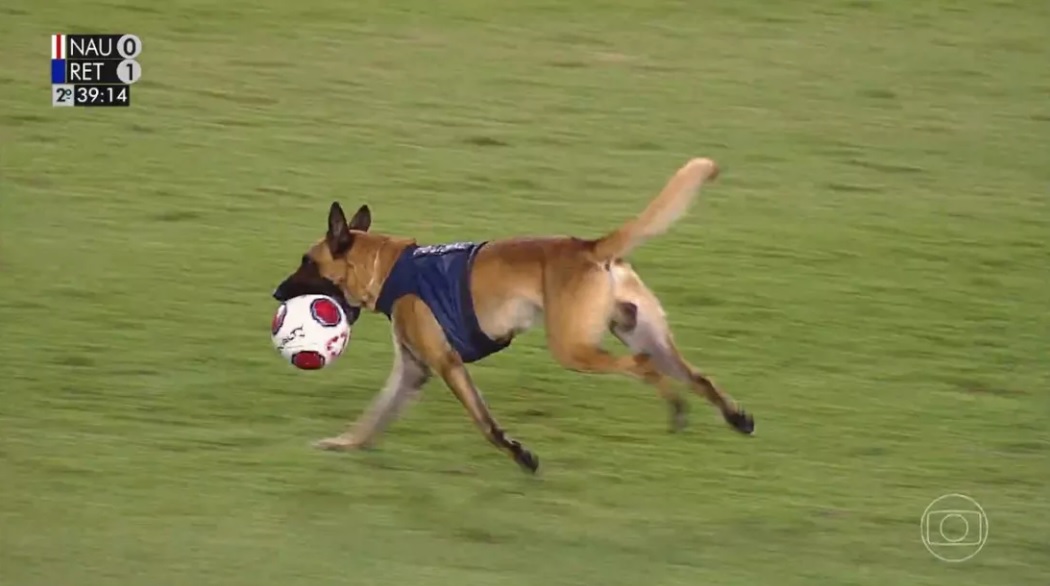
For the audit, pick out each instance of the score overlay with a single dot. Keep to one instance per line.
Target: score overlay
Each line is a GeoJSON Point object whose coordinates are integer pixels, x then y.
{"type": "Point", "coordinates": [94, 70]}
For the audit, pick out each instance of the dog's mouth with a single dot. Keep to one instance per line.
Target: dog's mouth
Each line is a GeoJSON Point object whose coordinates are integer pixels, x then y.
{"type": "Point", "coordinates": [294, 288]}
{"type": "Point", "coordinates": [353, 312]}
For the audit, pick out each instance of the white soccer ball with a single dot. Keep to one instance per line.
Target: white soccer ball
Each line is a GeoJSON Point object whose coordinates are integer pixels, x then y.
{"type": "Point", "coordinates": [310, 331]}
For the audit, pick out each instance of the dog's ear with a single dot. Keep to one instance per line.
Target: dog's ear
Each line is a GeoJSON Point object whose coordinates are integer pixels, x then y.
{"type": "Point", "coordinates": [338, 237]}
{"type": "Point", "coordinates": [362, 220]}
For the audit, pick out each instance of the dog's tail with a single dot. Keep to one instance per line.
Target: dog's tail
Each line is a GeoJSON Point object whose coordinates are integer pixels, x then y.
{"type": "Point", "coordinates": [658, 216]}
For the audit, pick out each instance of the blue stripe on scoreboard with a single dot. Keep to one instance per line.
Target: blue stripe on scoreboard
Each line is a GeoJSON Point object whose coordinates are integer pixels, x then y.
{"type": "Point", "coordinates": [58, 71]}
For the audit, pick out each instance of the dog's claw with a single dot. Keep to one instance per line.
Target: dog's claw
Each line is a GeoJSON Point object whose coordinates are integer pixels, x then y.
{"type": "Point", "coordinates": [741, 421]}
{"type": "Point", "coordinates": [679, 419]}
{"type": "Point", "coordinates": [678, 423]}
{"type": "Point", "coordinates": [528, 461]}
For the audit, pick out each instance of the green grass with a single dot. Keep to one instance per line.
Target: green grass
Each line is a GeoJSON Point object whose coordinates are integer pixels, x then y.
{"type": "Point", "coordinates": [869, 278]}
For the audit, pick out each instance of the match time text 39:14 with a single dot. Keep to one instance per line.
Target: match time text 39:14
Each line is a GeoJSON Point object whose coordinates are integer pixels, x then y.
{"type": "Point", "coordinates": [88, 95]}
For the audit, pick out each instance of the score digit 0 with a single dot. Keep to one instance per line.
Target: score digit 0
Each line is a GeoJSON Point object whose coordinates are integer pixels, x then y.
{"type": "Point", "coordinates": [129, 46]}
{"type": "Point", "coordinates": [129, 71]}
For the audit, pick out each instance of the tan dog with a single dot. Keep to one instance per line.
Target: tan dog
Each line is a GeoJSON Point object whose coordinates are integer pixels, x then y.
{"type": "Point", "coordinates": [450, 305]}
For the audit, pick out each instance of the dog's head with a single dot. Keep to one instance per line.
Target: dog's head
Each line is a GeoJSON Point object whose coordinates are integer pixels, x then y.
{"type": "Point", "coordinates": [338, 264]}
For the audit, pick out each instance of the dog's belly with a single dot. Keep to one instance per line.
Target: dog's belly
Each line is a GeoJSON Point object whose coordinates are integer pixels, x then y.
{"type": "Point", "coordinates": [509, 318]}
{"type": "Point", "coordinates": [507, 286]}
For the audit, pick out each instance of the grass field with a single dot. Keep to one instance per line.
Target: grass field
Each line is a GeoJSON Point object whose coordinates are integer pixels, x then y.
{"type": "Point", "coordinates": [869, 278]}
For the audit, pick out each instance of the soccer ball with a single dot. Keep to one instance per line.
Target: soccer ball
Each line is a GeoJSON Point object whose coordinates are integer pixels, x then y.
{"type": "Point", "coordinates": [310, 331]}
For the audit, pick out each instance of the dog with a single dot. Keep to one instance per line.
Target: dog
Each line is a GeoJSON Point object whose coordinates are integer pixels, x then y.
{"type": "Point", "coordinates": [454, 304]}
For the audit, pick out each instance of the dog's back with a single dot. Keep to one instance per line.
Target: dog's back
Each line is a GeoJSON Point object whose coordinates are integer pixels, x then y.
{"type": "Point", "coordinates": [513, 280]}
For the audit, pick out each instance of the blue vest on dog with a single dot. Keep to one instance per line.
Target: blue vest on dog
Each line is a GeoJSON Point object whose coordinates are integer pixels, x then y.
{"type": "Point", "coordinates": [440, 276]}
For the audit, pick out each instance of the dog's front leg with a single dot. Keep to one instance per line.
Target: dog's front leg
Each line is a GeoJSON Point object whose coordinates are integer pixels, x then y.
{"type": "Point", "coordinates": [421, 332]}
{"type": "Point", "coordinates": [407, 377]}
{"type": "Point", "coordinates": [458, 380]}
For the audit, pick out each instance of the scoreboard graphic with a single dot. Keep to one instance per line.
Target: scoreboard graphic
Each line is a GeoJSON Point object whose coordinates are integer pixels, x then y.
{"type": "Point", "coordinates": [94, 70]}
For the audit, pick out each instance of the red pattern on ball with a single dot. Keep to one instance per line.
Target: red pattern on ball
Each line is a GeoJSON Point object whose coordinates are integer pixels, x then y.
{"type": "Point", "coordinates": [278, 319]}
{"type": "Point", "coordinates": [337, 344]}
{"type": "Point", "coordinates": [326, 312]}
{"type": "Point", "coordinates": [308, 360]}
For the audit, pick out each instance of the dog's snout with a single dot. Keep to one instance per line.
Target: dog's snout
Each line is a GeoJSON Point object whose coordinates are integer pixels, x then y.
{"type": "Point", "coordinates": [279, 293]}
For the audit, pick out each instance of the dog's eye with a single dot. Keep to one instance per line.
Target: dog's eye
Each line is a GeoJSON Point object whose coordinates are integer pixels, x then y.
{"type": "Point", "coordinates": [307, 260]}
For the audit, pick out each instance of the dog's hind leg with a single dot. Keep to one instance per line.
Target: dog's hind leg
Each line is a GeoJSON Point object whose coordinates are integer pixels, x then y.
{"type": "Point", "coordinates": [648, 335]}
{"type": "Point", "coordinates": [575, 330]}
{"type": "Point", "coordinates": [668, 359]}
{"type": "Point", "coordinates": [734, 415]}
{"type": "Point", "coordinates": [624, 328]}
{"type": "Point", "coordinates": [578, 308]}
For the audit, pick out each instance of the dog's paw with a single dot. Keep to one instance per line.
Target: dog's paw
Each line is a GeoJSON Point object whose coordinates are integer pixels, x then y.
{"type": "Point", "coordinates": [337, 444]}
{"type": "Point", "coordinates": [741, 421]}
{"type": "Point", "coordinates": [528, 461]}
{"type": "Point", "coordinates": [679, 419]}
